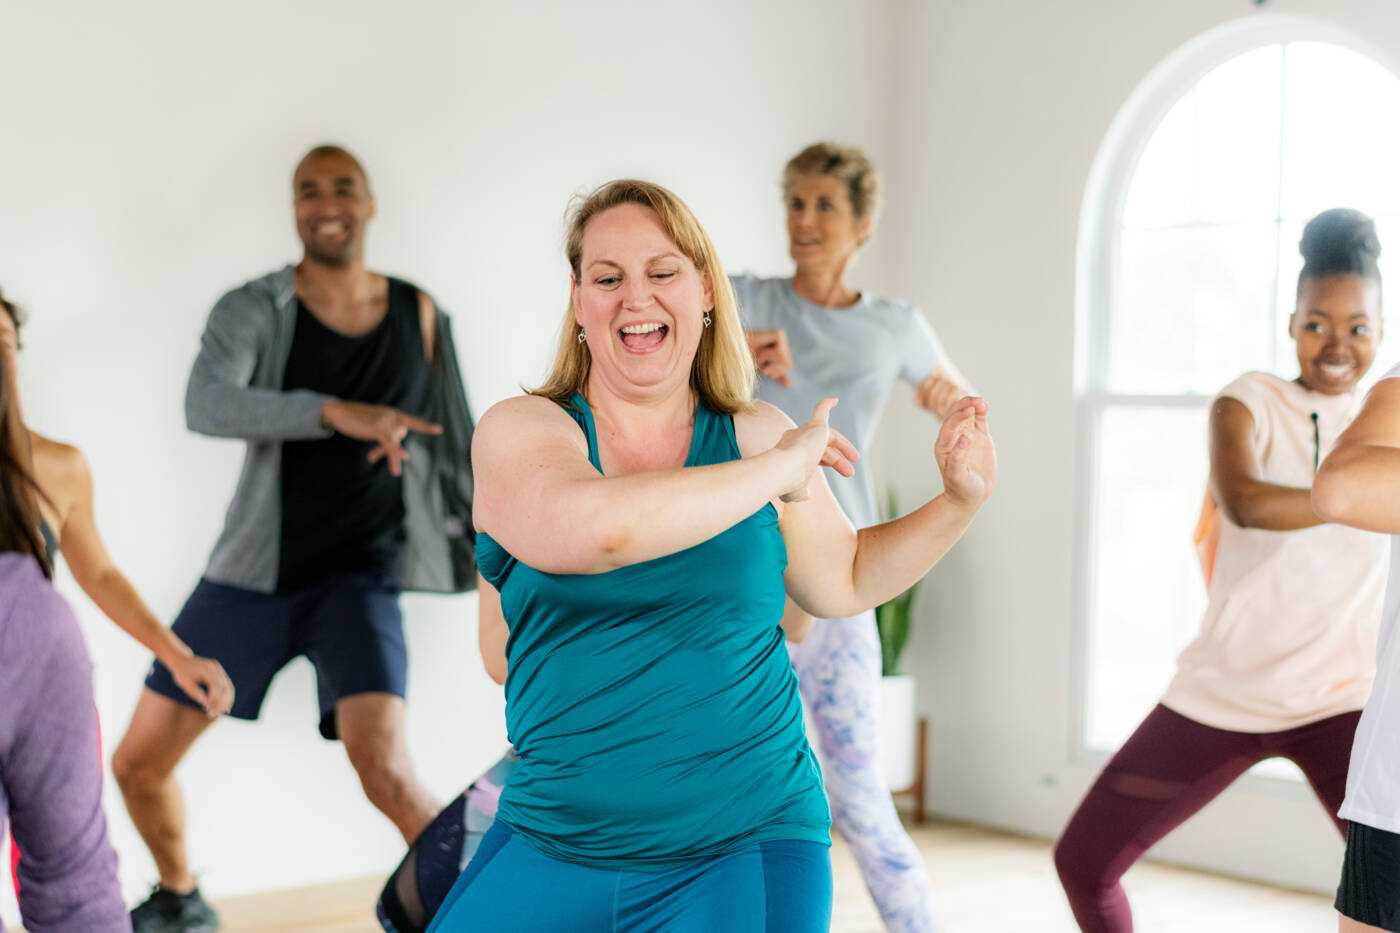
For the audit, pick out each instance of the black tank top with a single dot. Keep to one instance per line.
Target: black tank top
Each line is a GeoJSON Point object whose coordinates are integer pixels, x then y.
{"type": "Point", "coordinates": [340, 512]}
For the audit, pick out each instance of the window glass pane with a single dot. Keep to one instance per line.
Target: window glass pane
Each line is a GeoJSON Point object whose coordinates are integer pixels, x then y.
{"type": "Point", "coordinates": [1163, 185]}
{"type": "Point", "coordinates": [1341, 132]}
{"type": "Point", "coordinates": [1237, 139]}
{"type": "Point", "coordinates": [1214, 157]}
{"type": "Point", "coordinates": [1289, 262]}
{"type": "Point", "coordinates": [1148, 595]}
{"type": "Point", "coordinates": [1194, 308]}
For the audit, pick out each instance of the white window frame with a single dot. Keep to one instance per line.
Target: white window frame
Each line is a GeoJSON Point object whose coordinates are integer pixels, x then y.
{"type": "Point", "coordinates": [1096, 264]}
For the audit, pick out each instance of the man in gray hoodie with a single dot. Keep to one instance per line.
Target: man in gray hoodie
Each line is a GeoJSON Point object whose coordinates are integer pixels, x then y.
{"type": "Point", "coordinates": [356, 483]}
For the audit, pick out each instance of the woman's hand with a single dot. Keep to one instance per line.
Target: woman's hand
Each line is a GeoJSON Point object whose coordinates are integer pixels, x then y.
{"type": "Point", "coordinates": [966, 456]}
{"type": "Point", "coordinates": [771, 356]}
{"type": "Point", "coordinates": [939, 394]}
{"type": "Point", "coordinates": [813, 445]}
{"type": "Point", "coordinates": [205, 682]}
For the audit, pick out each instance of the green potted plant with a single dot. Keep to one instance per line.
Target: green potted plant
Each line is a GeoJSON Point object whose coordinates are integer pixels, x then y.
{"type": "Point", "coordinates": [894, 621]}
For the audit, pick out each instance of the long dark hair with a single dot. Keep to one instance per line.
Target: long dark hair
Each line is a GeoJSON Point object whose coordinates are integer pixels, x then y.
{"type": "Point", "coordinates": [19, 493]}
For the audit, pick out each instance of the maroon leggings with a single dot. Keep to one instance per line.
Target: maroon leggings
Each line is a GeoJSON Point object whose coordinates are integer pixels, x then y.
{"type": "Point", "coordinates": [1166, 771]}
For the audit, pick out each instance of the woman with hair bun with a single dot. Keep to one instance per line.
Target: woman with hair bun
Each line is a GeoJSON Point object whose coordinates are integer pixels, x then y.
{"type": "Point", "coordinates": [1286, 653]}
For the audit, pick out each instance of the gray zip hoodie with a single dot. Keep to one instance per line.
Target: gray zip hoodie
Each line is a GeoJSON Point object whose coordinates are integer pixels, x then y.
{"type": "Point", "coordinates": [235, 390]}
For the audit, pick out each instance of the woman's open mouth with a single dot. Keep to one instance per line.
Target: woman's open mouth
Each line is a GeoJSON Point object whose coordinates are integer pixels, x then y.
{"type": "Point", "coordinates": [1336, 373]}
{"type": "Point", "coordinates": [644, 337]}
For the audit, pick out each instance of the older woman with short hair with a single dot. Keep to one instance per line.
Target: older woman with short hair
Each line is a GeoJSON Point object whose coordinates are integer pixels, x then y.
{"type": "Point", "coordinates": [814, 335]}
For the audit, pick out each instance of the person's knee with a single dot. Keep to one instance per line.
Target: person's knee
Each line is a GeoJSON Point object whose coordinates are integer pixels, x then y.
{"type": "Point", "coordinates": [1063, 858]}
{"type": "Point", "coordinates": [124, 767]}
{"type": "Point", "coordinates": [134, 770]}
{"type": "Point", "coordinates": [384, 777]}
{"type": "Point", "coordinates": [159, 736]}
{"type": "Point", "coordinates": [1077, 874]}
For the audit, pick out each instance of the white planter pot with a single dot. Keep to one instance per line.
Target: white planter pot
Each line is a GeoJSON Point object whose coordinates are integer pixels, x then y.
{"type": "Point", "coordinates": [897, 731]}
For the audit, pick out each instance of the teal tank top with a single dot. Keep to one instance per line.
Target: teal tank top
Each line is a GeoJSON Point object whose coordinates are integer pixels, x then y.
{"type": "Point", "coordinates": [654, 708]}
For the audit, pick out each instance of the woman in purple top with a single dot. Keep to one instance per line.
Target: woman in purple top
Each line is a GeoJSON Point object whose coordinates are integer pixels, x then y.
{"type": "Point", "coordinates": [50, 780]}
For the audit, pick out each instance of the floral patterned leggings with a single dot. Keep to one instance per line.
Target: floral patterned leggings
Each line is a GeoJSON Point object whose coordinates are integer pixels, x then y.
{"type": "Point", "coordinates": [838, 671]}
{"type": "Point", "coordinates": [417, 888]}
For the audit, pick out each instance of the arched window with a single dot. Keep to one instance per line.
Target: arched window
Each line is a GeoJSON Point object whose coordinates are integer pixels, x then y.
{"type": "Point", "coordinates": [1188, 260]}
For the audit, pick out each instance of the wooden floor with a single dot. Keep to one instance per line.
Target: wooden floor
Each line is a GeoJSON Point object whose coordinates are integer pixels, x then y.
{"type": "Point", "coordinates": [983, 882]}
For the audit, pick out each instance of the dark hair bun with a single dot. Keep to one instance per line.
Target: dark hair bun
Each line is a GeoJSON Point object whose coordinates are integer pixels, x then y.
{"type": "Point", "coordinates": [1340, 241]}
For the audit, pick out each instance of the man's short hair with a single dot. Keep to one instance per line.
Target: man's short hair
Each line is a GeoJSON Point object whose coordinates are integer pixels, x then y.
{"type": "Point", "coordinates": [331, 149]}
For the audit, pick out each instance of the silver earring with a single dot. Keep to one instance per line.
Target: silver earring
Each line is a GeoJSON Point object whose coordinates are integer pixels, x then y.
{"type": "Point", "coordinates": [581, 338]}
{"type": "Point", "coordinates": [707, 319]}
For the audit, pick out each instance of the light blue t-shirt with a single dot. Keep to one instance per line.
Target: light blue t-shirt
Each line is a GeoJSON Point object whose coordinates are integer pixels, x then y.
{"type": "Point", "coordinates": [855, 353]}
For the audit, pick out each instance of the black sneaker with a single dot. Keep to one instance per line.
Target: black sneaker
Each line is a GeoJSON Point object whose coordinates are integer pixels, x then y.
{"type": "Point", "coordinates": [167, 912]}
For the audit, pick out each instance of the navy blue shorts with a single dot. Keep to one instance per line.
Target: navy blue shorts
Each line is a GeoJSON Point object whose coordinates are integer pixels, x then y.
{"type": "Point", "coordinates": [349, 626]}
{"type": "Point", "coordinates": [1370, 888]}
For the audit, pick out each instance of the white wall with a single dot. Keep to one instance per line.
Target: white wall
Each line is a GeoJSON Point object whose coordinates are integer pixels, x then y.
{"type": "Point", "coordinates": [1001, 107]}
{"type": "Point", "coordinates": [144, 169]}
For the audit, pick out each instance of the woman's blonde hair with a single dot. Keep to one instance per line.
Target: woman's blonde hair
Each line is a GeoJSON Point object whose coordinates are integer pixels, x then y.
{"type": "Point", "coordinates": [722, 375]}
{"type": "Point", "coordinates": [850, 164]}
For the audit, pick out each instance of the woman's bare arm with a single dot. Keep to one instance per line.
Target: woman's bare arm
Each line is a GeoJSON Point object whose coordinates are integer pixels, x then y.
{"type": "Point", "coordinates": [202, 679]}
{"type": "Point", "coordinates": [492, 632]}
{"type": "Point", "coordinates": [797, 622]}
{"type": "Point", "coordinates": [834, 571]}
{"type": "Point", "coordinates": [942, 389]}
{"type": "Point", "coordinates": [541, 499]}
{"type": "Point", "coordinates": [1248, 500]}
{"type": "Point", "coordinates": [1359, 482]}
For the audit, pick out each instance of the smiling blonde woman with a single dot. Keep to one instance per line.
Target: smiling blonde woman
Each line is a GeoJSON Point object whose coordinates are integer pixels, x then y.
{"type": "Point", "coordinates": [640, 535]}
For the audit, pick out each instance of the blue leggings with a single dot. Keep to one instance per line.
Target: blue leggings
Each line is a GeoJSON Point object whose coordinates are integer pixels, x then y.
{"type": "Point", "coordinates": [509, 887]}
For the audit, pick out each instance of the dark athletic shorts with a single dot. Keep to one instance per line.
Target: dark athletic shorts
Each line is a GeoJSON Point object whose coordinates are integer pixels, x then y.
{"type": "Point", "coordinates": [1370, 888]}
{"type": "Point", "coordinates": [349, 626]}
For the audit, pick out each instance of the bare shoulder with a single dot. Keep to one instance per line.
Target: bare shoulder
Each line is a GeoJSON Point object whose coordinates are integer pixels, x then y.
{"type": "Point", "coordinates": [528, 408]}
{"type": "Point", "coordinates": [62, 473]}
{"type": "Point", "coordinates": [56, 464]}
{"type": "Point", "coordinates": [758, 430]}
{"type": "Point", "coordinates": [525, 420]}
{"type": "Point", "coordinates": [519, 445]}
{"type": "Point", "coordinates": [1232, 416]}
